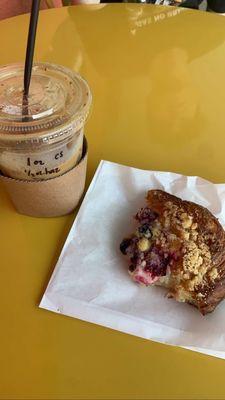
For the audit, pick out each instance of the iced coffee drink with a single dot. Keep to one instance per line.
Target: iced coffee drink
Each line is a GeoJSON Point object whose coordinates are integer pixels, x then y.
{"type": "Point", "coordinates": [44, 138]}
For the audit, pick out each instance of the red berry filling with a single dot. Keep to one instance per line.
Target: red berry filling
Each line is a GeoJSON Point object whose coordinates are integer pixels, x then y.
{"type": "Point", "coordinates": [157, 262]}
{"type": "Point", "coordinates": [146, 215]}
{"type": "Point", "coordinates": [148, 250]}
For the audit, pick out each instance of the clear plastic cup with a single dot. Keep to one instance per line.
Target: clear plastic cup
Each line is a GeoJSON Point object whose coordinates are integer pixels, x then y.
{"type": "Point", "coordinates": [44, 138]}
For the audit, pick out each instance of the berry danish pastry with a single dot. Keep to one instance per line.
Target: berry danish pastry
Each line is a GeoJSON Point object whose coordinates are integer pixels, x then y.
{"type": "Point", "coordinates": [179, 245]}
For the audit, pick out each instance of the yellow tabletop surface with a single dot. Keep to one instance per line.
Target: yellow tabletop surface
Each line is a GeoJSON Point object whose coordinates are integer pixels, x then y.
{"type": "Point", "coordinates": [158, 80]}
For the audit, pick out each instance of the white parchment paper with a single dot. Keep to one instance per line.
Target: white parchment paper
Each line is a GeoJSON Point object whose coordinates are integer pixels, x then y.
{"type": "Point", "coordinates": [91, 282]}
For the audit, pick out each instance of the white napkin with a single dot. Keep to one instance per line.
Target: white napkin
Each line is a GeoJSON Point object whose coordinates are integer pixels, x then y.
{"type": "Point", "coordinates": [91, 281]}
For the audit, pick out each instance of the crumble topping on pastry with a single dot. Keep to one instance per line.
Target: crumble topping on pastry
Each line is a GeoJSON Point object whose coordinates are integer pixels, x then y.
{"type": "Point", "coordinates": [179, 245]}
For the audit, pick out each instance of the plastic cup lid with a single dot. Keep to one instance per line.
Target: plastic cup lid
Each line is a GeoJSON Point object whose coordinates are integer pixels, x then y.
{"type": "Point", "coordinates": [59, 101]}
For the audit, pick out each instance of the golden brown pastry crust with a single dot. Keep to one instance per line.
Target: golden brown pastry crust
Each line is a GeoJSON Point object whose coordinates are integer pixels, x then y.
{"type": "Point", "coordinates": [179, 245]}
{"type": "Point", "coordinates": [211, 291]}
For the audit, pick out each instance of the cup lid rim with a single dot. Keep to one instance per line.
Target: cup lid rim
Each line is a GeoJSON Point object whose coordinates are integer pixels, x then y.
{"type": "Point", "coordinates": [65, 101]}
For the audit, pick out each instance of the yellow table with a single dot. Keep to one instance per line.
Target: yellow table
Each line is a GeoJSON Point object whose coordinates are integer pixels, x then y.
{"type": "Point", "coordinates": [158, 80]}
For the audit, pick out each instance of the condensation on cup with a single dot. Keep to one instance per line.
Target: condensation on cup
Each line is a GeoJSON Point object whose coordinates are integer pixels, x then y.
{"type": "Point", "coordinates": [44, 138]}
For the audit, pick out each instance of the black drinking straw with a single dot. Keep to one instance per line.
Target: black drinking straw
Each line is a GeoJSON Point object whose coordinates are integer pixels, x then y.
{"type": "Point", "coordinates": [30, 52]}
